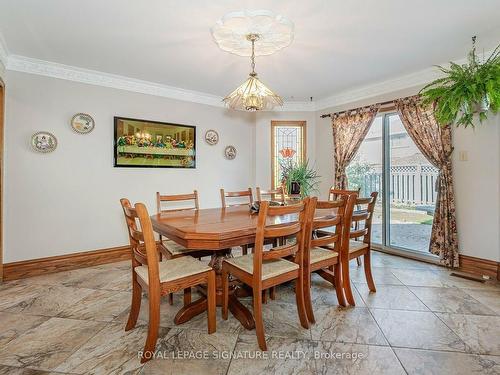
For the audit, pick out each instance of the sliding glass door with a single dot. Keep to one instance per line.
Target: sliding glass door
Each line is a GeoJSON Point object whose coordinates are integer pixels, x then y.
{"type": "Point", "coordinates": [389, 162]}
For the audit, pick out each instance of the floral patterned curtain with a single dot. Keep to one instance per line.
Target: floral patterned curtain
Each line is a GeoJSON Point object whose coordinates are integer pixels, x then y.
{"type": "Point", "coordinates": [349, 130]}
{"type": "Point", "coordinates": [434, 141]}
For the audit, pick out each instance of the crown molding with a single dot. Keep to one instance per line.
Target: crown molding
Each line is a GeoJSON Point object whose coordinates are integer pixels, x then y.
{"type": "Point", "coordinates": [419, 78]}
{"type": "Point", "coordinates": [297, 107]}
{"type": "Point", "coordinates": [92, 77]}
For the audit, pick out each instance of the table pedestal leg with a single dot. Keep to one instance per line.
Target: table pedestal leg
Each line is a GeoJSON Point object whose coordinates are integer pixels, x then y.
{"type": "Point", "coordinates": [239, 311]}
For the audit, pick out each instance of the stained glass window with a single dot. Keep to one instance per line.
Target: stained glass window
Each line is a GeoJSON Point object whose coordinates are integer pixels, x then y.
{"type": "Point", "coordinates": [287, 143]}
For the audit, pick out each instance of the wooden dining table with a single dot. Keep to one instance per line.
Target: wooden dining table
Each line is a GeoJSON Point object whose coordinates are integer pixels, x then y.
{"type": "Point", "coordinates": [218, 230]}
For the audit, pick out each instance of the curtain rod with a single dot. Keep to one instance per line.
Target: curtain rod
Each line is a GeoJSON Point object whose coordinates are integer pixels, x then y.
{"type": "Point", "coordinates": [349, 110]}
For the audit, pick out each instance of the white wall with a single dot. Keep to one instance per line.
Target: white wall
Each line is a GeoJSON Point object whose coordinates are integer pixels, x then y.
{"type": "Point", "coordinates": [263, 141]}
{"type": "Point", "coordinates": [51, 204]}
{"type": "Point", "coordinates": [477, 191]}
{"type": "Point", "coordinates": [68, 201]}
{"type": "Point", "coordinates": [476, 180]}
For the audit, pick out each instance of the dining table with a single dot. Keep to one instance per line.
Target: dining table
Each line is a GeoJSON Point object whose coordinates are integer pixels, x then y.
{"type": "Point", "coordinates": [217, 230]}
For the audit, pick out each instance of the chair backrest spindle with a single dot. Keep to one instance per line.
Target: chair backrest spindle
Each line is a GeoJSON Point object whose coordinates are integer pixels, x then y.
{"type": "Point", "coordinates": [247, 194]}
{"type": "Point", "coordinates": [177, 198]}
{"type": "Point", "coordinates": [277, 195]}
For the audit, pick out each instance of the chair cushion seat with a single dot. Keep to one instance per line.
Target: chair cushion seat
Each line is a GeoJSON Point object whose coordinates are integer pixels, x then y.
{"type": "Point", "coordinates": [319, 254]}
{"type": "Point", "coordinates": [175, 249]}
{"type": "Point", "coordinates": [356, 245]}
{"type": "Point", "coordinates": [270, 268]}
{"type": "Point", "coordinates": [173, 269]}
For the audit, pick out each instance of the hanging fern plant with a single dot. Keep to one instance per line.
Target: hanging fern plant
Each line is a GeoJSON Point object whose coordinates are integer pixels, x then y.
{"type": "Point", "coordinates": [465, 90]}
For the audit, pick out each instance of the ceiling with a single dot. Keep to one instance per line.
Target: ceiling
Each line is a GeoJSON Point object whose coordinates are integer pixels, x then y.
{"type": "Point", "coordinates": [338, 44]}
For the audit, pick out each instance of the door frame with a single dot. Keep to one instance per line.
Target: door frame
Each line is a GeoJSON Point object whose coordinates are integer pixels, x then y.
{"type": "Point", "coordinates": [2, 124]}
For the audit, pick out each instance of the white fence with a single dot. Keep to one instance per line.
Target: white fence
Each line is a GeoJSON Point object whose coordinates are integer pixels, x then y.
{"type": "Point", "coordinates": [409, 184]}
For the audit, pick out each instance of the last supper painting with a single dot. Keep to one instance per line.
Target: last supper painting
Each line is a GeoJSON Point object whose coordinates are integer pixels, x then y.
{"type": "Point", "coordinates": [154, 144]}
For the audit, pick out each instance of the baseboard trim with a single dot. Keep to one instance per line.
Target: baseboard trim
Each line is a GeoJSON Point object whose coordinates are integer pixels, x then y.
{"type": "Point", "coordinates": [42, 266]}
{"type": "Point", "coordinates": [479, 266]}
{"type": "Point", "coordinates": [468, 264]}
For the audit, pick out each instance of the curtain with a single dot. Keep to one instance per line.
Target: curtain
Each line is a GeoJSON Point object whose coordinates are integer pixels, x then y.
{"type": "Point", "coordinates": [349, 130]}
{"type": "Point", "coordinates": [434, 141]}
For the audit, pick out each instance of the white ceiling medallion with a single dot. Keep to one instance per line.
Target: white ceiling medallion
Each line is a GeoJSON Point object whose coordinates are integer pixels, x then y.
{"type": "Point", "coordinates": [253, 33]}
{"type": "Point", "coordinates": [275, 32]}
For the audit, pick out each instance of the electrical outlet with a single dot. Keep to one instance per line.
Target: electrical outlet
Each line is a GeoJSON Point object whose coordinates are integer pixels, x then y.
{"type": "Point", "coordinates": [463, 156]}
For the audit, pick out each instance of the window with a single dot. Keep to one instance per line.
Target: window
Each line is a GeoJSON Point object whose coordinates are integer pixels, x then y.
{"type": "Point", "coordinates": [288, 142]}
{"type": "Point", "coordinates": [389, 162]}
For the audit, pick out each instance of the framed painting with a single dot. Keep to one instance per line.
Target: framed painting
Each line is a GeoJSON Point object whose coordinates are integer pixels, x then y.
{"type": "Point", "coordinates": [153, 144]}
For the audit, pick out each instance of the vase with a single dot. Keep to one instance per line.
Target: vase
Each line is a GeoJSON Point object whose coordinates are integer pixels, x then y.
{"type": "Point", "coordinates": [483, 105]}
{"type": "Point", "coordinates": [294, 188]}
{"type": "Point", "coordinates": [465, 108]}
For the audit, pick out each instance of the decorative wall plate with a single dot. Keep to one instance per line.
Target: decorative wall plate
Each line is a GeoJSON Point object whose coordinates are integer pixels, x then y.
{"type": "Point", "coordinates": [82, 123]}
{"type": "Point", "coordinates": [43, 142]}
{"type": "Point", "coordinates": [230, 152]}
{"type": "Point", "coordinates": [212, 137]}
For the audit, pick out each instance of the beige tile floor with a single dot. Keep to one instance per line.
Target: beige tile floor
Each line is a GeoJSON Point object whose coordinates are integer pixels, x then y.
{"type": "Point", "coordinates": [421, 321]}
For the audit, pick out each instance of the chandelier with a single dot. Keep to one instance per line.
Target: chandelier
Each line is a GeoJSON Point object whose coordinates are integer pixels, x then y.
{"type": "Point", "coordinates": [253, 95]}
{"type": "Point", "coordinates": [235, 33]}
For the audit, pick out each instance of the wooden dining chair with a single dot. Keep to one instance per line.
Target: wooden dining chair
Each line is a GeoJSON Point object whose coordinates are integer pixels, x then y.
{"type": "Point", "coordinates": [243, 197]}
{"type": "Point", "coordinates": [326, 261]}
{"type": "Point", "coordinates": [171, 249]}
{"type": "Point", "coordinates": [276, 195]}
{"type": "Point", "coordinates": [332, 195]}
{"type": "Point", "coordinates": [265, 269]}
{"type": "Point", "coordinates": [359, 240]}
{"type": "Point", "coordinates": [159, 278]}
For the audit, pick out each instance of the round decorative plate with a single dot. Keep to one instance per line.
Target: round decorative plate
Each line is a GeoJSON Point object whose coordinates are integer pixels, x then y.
{"type": "Point", "coordinates": [230, 152]}
{"type": "Point", "coordinates": [82, 123]}
{"type": "Point", "coordinates": [211, 137]}
{"type": "Point", "coordinates": [43, 142]}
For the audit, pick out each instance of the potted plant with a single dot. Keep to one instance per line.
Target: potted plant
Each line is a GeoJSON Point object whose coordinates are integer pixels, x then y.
{"type": "Point", "coordinates": [465, 90]}
{"type": "Point", "coordinates": [299, 178]}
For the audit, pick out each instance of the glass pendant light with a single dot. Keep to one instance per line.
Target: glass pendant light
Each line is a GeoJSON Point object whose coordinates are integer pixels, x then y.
{"type": "Point", "coordinates": [253, 95]}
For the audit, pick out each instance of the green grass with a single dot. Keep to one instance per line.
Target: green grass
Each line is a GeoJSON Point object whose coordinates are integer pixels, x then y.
{"type": "Point", "coordinates": [427, 222]}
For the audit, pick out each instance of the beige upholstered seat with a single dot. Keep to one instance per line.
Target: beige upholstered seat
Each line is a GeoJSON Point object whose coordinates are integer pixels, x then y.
{"type": "Point", "coordinates": [318, 254]}
{"type": "Point", "coordinates": [270, 268]}
{"type": "Point", "coordinates": [174, 248]}
{"type": "Point", "coordinates": [353, 246]}
{"type": "Point", "coordinates": [356, 245]}
{"type": "Point", "coordinates": [174, 269]}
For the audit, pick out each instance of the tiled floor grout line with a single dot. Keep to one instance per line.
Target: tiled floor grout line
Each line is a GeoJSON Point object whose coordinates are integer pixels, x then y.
{"type": "Point", "coordinates": [234, 348]}
{"type": "Point", "coordinates": [446, 351]}
{"type": "Point", "coordinates": [386, 339]}
{"type": "Point", "coordinates": [446, 312]}
{"type": "Point", "coordinates": [452, 330]}
{"type": "Point", "coordinates": [310, 339]}
{"type": "Point", "coordinates": [399, 360]}
{"type": "Point", "coordinates": [433, 313]}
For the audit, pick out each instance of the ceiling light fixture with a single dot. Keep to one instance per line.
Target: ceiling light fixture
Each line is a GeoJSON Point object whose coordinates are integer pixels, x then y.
{"type": "Point", "coordinates": [253, 95]}
{"type": "Point", "coordinates": [233, 33]}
